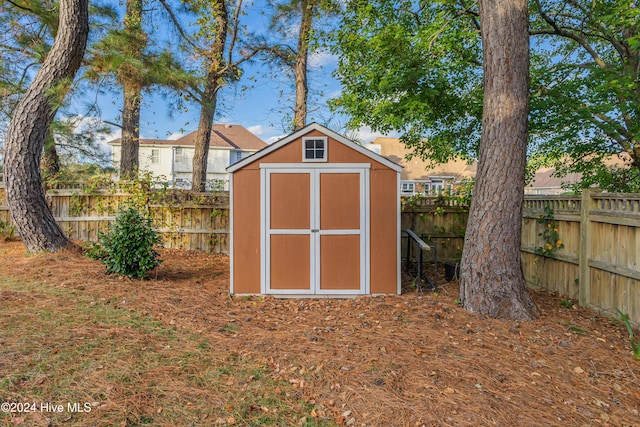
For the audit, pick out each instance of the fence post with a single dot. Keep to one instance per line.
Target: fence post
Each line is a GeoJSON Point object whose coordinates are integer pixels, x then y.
{"type": "Point", "coordinates": [584, 274]}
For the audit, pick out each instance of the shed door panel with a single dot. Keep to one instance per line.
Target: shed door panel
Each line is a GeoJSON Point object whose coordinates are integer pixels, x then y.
{"type": "Point", "coordinates": [314, 231]}
{"type": "Point", "coordinates": [340, 201]}
{"type": "Point", "coordinates": [290, 201]}
{"type": "Point", "coordinates": [340, 262]}
{"type": "Point", "coordinates": [289, 232]}
{"type": "Point", "coordinates": [289, 262]}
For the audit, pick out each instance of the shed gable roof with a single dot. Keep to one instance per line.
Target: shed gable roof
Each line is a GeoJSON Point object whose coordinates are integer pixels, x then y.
{"type": "Point", "coordinates": [302, 132]}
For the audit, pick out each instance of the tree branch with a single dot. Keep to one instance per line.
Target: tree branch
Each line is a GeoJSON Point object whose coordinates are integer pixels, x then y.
{"type": "Point", "coordinates": [177, 24]}
{"type": "Point", "coordinates": [234, 30]}
{"type": "Point", "coordinates": [557, 30]}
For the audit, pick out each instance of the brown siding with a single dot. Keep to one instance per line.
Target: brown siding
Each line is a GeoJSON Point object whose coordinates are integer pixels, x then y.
{"type": "Point", "coordinates": [338, 153]}
{"type": "Point", "coordinates": [384, 231]}
{"type": "Point", "coordinates": [246, 231]}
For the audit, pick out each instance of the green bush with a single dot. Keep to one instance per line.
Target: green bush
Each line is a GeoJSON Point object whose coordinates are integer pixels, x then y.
{"type": "Point", "coordinates": [127, 248]}
{"type": "Point", "coordinates": [7, 231]}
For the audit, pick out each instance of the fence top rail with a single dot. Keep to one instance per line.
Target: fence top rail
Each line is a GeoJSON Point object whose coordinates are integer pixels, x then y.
{"type": "Point", "coordinates": [549, 197]}
{"type": "Point", "coordinates": [565, 204]}
{"type": "Point", "coordinates": [616, 196]}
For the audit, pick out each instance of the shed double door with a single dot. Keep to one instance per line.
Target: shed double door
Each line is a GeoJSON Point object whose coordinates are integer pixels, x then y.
{"type": "Point", "coordinates": [314, 223]}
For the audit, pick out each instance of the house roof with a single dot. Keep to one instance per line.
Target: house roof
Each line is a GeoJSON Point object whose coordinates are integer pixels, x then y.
{"type": "Point", "coordinates": [222, 136]}
{"type": "Point", "coordinates": [417, 169]}
{"type": "Point", "coordinates": [305, 130]}
{"type": "Point", "coordinates": [545, 176]}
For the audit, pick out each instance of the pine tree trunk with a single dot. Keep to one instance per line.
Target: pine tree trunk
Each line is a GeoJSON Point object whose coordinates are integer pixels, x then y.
{"type": "Point", "coordinates": [130, 141]}
{"type": "Point", "coordinates": [50, 164]}
{"type": "Point", "coordinates": [132, 92]}
{"type": "Point", "coordinates": [491, 279]}
{"type": "Point", "coordinates": [300, 69]}
{"type": "Point", "coordinates": [209, 98]}
{"type": "Point", "coordinates": [203, 136]}
{"type": "Point", "coordinates": [29, 128]}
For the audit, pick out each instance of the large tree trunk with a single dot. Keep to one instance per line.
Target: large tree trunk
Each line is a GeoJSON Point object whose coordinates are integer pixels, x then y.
{"type": "Point", "coordinates": [29, 128]}
{"type": "Point", "coordinates": [132, 90]}
{"type": "Point", "coordinates": [203, 136]}
{"type": "Point", "coordinates": [130, 141]}
{"type": "Point", "coordinates": [50, 164]}
{"type": "Point", "coordinates": [491, 279]}
{"type": "Point", "coordinates": [209, 98]}
{"type": "Point", "coordinates": [300, 68]}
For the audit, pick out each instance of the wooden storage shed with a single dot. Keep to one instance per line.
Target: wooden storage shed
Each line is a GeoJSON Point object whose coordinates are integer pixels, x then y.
{"type": "Point", "coordinates": [315, 214]}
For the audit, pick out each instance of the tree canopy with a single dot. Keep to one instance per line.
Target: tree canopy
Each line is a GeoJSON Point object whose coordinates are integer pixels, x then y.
{"type": "Point", "coordinates": [415, 68]}
{"type": "Point", "coordinates": [29, 28]}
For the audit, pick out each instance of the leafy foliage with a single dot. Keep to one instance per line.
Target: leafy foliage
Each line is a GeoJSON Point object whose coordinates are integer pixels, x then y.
{"type": "Point", "coordinates": [584, 92]}
{"type": "Point", "coordinates": [549, 234]}
{"type": "Point", "coordinates": [127, 248]}
{"type": "Point", "coordinates": [28, 30]}
{"type": "Point", "coordinates": [415, 68]}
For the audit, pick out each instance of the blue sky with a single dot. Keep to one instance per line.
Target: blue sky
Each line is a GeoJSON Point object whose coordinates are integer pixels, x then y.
{"type": "Point", "coordinates": [260, 108]}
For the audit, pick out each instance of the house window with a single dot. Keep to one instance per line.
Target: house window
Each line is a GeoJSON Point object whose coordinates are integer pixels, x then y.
{"type": "Point", "coordinates": [314, 149]}
{"type": "Point", "coordinates": [437, 186]}
{"type": "Point", "coordinates": [179, 156]}
{"type": "Point", "coordinates": [155, 156]}
{"type": "Point", "coordinates": [236, 156]}
{"type": "Point", "coordinates": [408, 187]}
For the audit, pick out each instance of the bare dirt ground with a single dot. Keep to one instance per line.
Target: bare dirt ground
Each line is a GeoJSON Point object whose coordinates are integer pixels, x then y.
{"type": "Point", "coordinates": [414, 359]}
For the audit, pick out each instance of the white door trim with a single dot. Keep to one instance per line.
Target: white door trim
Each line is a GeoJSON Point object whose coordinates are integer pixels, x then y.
{"type": "Point", "coordinates": [314, 237]}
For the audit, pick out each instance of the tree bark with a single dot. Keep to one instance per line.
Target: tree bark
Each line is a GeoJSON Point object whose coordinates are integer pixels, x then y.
{"type": "Point", "coordinates": [132, 91]}
{"type": "Point", "coordinates": [50, 164]}
{"type": "Point", "coordinates": [491, 279]}
{"type": "Point", "coordinates": [209, 98]}
{"type": "Point", "coordinates": [29, 128]}
{"type": "Point", "coordinates": [203, 136]}
{"type": "Point", "coordinates": [300, 68]}
{"type": "Point", "coordinates": [130, 141]}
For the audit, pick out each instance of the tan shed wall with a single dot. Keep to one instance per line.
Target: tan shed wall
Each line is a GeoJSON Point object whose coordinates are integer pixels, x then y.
{"type": "Point", "coordinates": [384, 231]}
{"type": "Point", "coordinates": [246, 231]}
{"type": "Point", "coordinates": [383, 216]}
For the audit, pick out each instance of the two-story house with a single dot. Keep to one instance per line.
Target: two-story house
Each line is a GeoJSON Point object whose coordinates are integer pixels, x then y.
{"type": "Point", "coordinates": [418, 176]}
{"type": "Point", "coordinates": [172, 160]}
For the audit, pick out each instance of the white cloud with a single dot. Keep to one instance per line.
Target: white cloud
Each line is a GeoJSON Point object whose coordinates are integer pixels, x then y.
{"type": "Point", "coordinates": [260, 130]}
{"type": "Point", "coordinates": [273, 139]}
{"type": "Point", "coordinates": [175, 135]}
{"type": "Point", "coordinates": [322, 59]}
{"type": "Point", "coordinates": [366, 135]}
{"type": "Point", "coordinates": [266, 133]}
{"type": "Point", "coordinates": [90, 125]}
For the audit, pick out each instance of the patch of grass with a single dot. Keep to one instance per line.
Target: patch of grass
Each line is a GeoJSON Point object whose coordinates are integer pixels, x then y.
{"type": "Point", "coordinates": [61, 346]}
{"type": "Point", "coordinates": [566, 303]}
{"type": "Point", "coordinates": [635, 345]}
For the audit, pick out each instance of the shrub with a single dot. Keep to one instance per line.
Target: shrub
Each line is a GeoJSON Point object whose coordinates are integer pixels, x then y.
{"type": "Point", "coordinates": [127, 248]}
{"type": "Point", "coordinates": [7, 231]}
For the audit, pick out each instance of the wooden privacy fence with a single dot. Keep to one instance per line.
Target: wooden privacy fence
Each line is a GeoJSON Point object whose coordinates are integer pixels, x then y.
{"type": "Point", "coordinates": [437, 223]}
{"type": "Point", "coordinates": [594, 238]}
{"type": "Point", "coordinates": [599, 261]}
{"type": "Point", "coordinates": [595, 254]}
{"type": "Point", "coordinates": [196, 221]}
